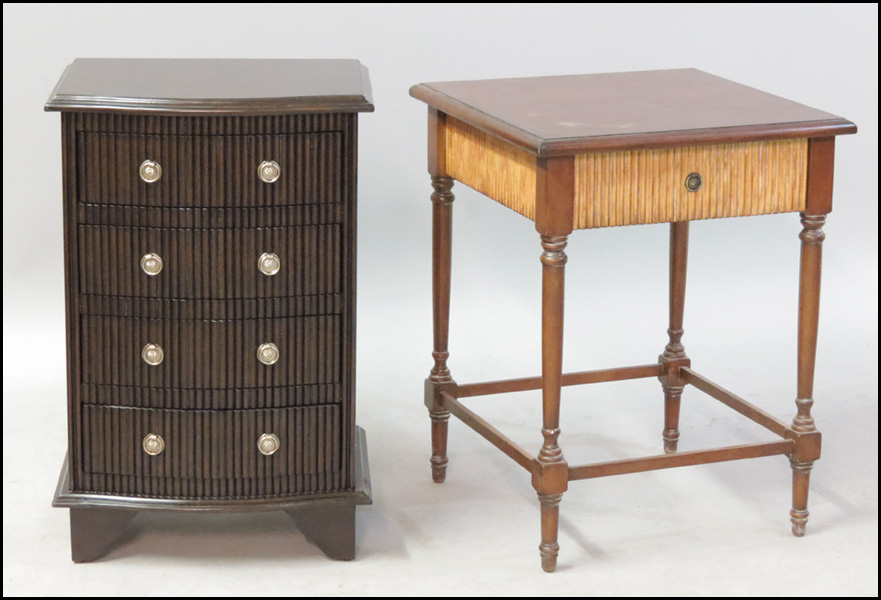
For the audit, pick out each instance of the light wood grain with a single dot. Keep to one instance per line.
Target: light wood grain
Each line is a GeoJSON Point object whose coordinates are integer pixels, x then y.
{"type": "Point", "coordinates": [491, 166]}
{"type": "Point", "coordinates": [648, 186]}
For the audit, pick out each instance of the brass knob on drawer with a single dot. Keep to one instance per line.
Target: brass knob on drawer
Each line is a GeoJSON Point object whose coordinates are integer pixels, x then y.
{"type": "Point", "coordinates": [150, 171]}
{"type": "Point", "coordinates": [269, 263]}
{"type": "Point", "coordinates": [153, 444]}
{"type": "Point", "coordinates": [269, 171]}
{"type": "Point", "coordinates": [267, 353]}
{"type": "Point", "coordinates": [151, 264]}
{"type": "Point", "coordinates": [694, 182]}
{"type": "Point", "coordinates": [152, 354]}
{"type": "Point", "coordinates": [268, 444]}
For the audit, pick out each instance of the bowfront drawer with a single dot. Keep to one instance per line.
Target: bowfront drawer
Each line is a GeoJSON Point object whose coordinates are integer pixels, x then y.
{"type": "Point", "coordinates": [203, 354]}
{"type": "Point", "coordinates": [209, 170]}
{"type": "Point", "coordinates": [210, 263]}
{"type": "Point", "coordinates": [231, 444]}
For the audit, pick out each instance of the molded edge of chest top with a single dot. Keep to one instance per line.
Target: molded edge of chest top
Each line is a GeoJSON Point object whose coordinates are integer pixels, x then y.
{"type": "Point", "coordinates": [213, 86]}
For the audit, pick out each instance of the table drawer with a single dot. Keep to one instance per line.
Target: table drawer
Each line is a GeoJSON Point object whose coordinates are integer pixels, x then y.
{"type": "Point", "coordinates": [209, 170]}
{"type": "Point", "coordinates": [212, 444]}
{"type": "Point", "coordinates": [210, 263]}
{"type": "Point", "coordinates": [688, 183]}
{"type": "Point", "coordinates": [203, 354]}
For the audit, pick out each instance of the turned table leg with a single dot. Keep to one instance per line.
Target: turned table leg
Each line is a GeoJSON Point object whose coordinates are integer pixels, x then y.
{"type": "Point", "coordinates": [812, 237]}
{"type": "Point", "coordinates": [440, 379]}
{"type": "Point", "coordinates": [551, 477]}
{"type": "Point", "coordinates": [674, 353]}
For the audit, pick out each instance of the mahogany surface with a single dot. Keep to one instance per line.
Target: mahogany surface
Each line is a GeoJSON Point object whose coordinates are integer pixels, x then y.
{"type": "Point", "coordinates": [568, 114]}
{"type": "Point", "coordinates": [528, 153]}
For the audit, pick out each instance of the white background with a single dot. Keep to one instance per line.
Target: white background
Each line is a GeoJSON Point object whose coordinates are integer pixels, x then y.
{"type": "Point", "coordinates": [709, 530]}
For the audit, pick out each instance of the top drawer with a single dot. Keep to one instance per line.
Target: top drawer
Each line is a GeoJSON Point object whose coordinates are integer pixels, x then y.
{"type": "Point", "coordinates": [209, 171]}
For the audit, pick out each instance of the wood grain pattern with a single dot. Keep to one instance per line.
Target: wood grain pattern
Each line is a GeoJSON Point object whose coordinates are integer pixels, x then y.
{"type": "Point", "coordinates": [491, 166]}
{"type": "Point", "coordinates": [602, 112]}
{"type": "Point", "coordinates": [648, 186]}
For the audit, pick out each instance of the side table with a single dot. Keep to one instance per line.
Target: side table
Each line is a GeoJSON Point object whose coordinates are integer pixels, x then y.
{"type": "Point", "coordinates": [589, 151]}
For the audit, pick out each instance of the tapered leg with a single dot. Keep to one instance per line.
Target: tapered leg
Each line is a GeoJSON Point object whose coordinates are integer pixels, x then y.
{"type": "Point", "coordinates": [674, 353]}
{"type": "Point", "coordinates": [551, 477]}
{"type": "Point", "coordinates": [94, 531]}
{"type": "Point", "coordinates": [801, 479]}
{"type": "Point", "coordinates": [440, 378]}
{"type": "Point", "coordinates": [329, 525]}
{"type": "Point", "coordinates": [550, 523]}
{"type": "Point", "coordinates": [812, 237]}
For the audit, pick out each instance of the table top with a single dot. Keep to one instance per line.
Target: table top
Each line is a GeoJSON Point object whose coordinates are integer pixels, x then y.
{"type": "Point", "coordinates": [570, 114]}
{"type": "Point", "coordinates": [213, 86]}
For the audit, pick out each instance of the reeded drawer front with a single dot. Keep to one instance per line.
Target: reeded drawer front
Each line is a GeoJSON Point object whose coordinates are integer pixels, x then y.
{"type": "Point", "coordinates": [210, 444]}
{"type": "Point", "coordinates": [210, 354]}
{"type": "Point", "coordinates": [655, 185]}
{"type": "Point", "coordinates": [209, 263]}
{"type": "Point", "coordinates": [209, 170]}
{"type": "Point", "coordinates": [689, 183]}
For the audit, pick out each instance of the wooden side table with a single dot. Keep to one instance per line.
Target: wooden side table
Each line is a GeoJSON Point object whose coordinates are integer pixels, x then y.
{"type": "Point", "coordinates": [588, 151]}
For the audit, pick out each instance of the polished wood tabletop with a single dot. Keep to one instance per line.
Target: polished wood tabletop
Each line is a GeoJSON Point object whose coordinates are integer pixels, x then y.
{"type": "Point", "coordinates": [568, 114]}
{"type": "Point", "coordinates": [213, 86]}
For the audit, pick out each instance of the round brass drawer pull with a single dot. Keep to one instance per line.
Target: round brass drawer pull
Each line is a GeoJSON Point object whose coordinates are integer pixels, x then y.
{"type": "Point", "coordinates": [694, 182]}
{"type": "Point", "coordinates": [268, 444]}
{"type": "Point", "coordinates": [151, 264]}
{"type": "Point", "coordinates": [267, 353]}
{"type": "Point", "coordinates": [150, 171]}
{"type": "Point", "coordinates": [269, 263]}
{"type": "Point", "coordinates": [152, 354]}
{"type": "Point", "coordinates": [269, 171]}
{"type": "Point", "coordinates": [153, 444]}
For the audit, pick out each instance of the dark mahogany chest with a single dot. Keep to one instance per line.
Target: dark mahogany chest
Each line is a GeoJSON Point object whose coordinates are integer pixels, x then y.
{"type": "Point", "coordinates": [209, 222]}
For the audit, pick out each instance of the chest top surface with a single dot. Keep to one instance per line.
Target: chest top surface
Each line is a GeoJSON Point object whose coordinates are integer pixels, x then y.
{"type": "Point", "coordinates": [213, 86]}
{"type": "Point", "coordinates": [560, 115]}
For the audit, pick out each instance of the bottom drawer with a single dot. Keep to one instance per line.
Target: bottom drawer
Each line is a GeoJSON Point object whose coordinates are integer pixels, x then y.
{"type": "Point", "coordinates": [190, 452]}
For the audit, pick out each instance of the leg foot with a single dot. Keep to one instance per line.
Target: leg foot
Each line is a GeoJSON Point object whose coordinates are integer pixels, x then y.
{"type": "Point", "coordinates": [550, 521]}
{"type": "Point", "coordinates": [801, 475]}
{"type": "Point", "coordinates": [329, 525]}
{"type": "Point", "coordinates": [439, 422]}
{"type": "Point", "coordinates": [95, 531]}
{"type": "Point", "coordinates": [672, 397]}
{"type": "Point", "coordinates": [670, 445]}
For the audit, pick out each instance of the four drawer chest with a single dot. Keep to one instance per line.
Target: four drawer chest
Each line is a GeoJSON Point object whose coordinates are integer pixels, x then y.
{"type": "Point", "coordinates": [210, 224]}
